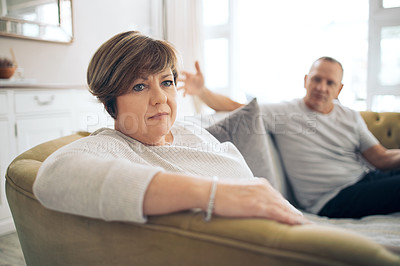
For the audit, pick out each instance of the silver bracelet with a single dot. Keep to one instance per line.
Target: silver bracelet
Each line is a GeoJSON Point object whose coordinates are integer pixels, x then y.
{"type": "Point", "coordinates": [210, 206]}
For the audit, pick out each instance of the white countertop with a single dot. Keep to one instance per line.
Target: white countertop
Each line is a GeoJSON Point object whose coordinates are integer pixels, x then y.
{"type": "Point", "coordinates": [33, 84]}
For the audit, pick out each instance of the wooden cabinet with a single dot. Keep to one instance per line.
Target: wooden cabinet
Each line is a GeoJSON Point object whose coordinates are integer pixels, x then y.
{"type": "Point", "coordinates": [6, 152]}
{"type": "Point", "coordinates": [32, 115]}
{"type": "Point", "coordinates": [31, 131]}
{"type": "Point", "coordinates": [5, 215]}
{"type": "Point", "coordinates": [89, 113]}
{"type": "Point", "coordinates": [41, 115]}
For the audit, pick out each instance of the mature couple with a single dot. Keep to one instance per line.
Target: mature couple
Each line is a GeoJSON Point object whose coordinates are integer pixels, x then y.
{"type": "Point", "coordinates": [152, 170]}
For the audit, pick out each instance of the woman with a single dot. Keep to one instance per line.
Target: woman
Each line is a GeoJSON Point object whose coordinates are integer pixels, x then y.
{"type": "Point", "coordinates": [148, 164]}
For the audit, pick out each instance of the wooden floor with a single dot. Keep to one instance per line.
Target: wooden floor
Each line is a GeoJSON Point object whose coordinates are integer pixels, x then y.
{"type": "Point", "coordinates": [10, 251]}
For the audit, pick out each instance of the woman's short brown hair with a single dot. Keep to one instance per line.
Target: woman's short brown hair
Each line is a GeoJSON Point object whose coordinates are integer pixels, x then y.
{"type": "Point", "coordinates": [124, 58]}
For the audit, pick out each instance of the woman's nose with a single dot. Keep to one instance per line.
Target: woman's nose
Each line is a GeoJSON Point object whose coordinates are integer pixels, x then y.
{"type": "Point", "coordinates": [158, 95]}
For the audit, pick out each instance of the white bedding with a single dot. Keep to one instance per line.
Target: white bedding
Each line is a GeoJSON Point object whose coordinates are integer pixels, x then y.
{"type": "Point", "coordinates": [383, 229]}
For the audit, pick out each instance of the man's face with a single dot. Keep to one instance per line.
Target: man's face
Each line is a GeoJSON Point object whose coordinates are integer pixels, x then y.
{"type": "Point", "coordinates": [323, 85]}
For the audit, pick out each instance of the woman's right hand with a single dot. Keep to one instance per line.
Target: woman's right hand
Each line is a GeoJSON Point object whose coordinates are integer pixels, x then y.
{"type": "Point", "coordinates": [254, 198]}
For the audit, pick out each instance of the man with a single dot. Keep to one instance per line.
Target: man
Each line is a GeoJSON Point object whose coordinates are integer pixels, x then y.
{"type": "Point", "coordinates": [326, 148]}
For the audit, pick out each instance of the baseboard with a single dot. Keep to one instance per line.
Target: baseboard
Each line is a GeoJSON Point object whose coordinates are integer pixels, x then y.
{"type": "Point", "coordinates": [7, 226]}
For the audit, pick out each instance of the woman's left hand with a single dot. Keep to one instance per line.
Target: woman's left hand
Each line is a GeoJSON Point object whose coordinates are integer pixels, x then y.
{"type": "Point", "coordinates": [255, 198]}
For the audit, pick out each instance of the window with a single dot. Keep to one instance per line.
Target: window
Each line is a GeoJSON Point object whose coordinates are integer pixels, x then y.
{"type": "Point", "coordinates": [390, 3]}
{"type": "Point", "coordinates": [384, 56]}
{"type": "Point", "coordinates": [217, 51]}
{"type": "Point", "coordinates": [390, 56]}
{"type": "Point", "coordinates": [217, 63]}
{"type": "Point", "coordinates": [279, 40]}
{"type": "Point", "coordinates": [268, 47]}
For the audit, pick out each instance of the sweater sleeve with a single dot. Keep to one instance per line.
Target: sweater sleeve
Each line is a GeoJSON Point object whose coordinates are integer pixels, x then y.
{"type": "Point", "coordinates": [85, 184]}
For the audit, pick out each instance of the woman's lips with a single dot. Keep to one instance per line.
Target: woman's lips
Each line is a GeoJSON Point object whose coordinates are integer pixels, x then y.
{"type": "Point", "coordinates": [159, 115]}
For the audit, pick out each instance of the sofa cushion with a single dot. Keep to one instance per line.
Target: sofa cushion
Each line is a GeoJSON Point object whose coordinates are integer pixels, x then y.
{"type": "Point", "coordinates": [244, 127]}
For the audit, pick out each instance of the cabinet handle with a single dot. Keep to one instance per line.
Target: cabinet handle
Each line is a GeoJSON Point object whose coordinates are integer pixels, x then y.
{"type": "Point", "coordinates": [44, 102]}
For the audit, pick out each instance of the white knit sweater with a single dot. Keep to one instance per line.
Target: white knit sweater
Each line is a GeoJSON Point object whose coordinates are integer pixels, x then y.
{"type": "Point", "coordinates": [106, 174]}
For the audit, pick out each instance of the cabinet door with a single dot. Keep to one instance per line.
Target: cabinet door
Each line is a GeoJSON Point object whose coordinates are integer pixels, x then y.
{"type": "Point", "coordinates": [33, 131]}
{"type": "Point", "coordinates": [89, 113]}
{"type": "Point", "coordinates": [4, 162]}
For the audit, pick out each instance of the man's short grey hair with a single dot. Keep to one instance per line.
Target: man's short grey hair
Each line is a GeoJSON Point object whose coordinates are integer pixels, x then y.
{"type": "Point", "coordinates": [328, 59]}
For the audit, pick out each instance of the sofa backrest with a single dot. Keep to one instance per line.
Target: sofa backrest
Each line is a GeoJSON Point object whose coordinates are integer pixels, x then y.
{"type": "Point", "coordinates": [385, 126]}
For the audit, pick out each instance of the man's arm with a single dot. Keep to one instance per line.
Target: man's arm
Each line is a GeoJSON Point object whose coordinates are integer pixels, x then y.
{"type": "Point", "coordinates": [218, 102]}
{"type": "Point", "coordinates": [382, 158]}
{"type": "Point", "coordinates": [194, 85]}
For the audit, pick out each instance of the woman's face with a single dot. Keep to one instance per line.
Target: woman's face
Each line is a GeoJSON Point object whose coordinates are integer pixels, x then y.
{"type": "Point", "coordinates": [148, 112]}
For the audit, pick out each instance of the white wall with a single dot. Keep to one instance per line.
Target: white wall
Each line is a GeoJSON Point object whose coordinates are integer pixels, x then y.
{"type": "Point", "coordinates": [95, 21]}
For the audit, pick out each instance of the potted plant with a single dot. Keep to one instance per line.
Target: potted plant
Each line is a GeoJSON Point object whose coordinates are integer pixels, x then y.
{"type": "Point", "coordinates": [7, 68]}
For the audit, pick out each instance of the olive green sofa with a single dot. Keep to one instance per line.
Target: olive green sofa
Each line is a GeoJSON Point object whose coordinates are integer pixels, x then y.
{"type": "Point", "coordinates": [385, 127]}
{"type": "Point", "coordinates": [53, 238]}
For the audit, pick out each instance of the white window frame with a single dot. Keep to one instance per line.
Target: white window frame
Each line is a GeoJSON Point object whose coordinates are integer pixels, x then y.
{"type": "Point", "coordinates": [225, 31]}
{"type": "Point", "coordinates": [379, 17]}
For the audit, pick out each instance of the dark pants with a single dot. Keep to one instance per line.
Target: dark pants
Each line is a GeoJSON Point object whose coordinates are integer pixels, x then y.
{"type": "Point", "coordinates": [377, 193]}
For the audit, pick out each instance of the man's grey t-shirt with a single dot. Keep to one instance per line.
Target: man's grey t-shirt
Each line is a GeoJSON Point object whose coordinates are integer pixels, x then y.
{"type": "Point", "coordinates": [320, 152]}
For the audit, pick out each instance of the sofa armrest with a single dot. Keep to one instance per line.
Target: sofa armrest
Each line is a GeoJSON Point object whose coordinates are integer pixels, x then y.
{"type": "Point", "coordinates": [53, 238]}
{"type": "Point", "coordinates": [385, 126]}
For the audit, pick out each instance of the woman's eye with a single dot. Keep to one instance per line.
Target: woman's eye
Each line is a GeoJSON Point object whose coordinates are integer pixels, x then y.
{"type": "Point", "coordinates": [168, 83]}
{"type": "Point", "coordinates": [138, 87]}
